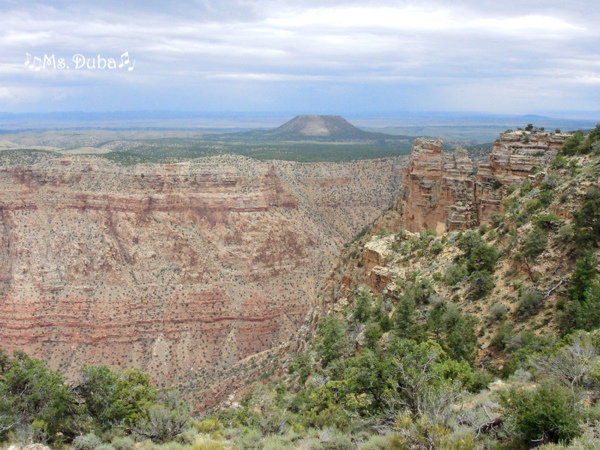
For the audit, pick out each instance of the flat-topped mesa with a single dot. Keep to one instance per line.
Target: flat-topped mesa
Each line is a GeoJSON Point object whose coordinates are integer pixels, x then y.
{"type": "Point", "coordinates": [441, 191]}
{"type": "Point", "coordinates": [438, 189]}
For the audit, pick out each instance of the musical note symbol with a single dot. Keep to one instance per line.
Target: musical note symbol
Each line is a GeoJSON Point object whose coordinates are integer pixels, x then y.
{"type": "Point", "coordinates": [124, 60]}
{"type": "Point", "coordinates": [131, 68]}
{"type": "Point", "coordinates": [37, 67]}
{"type": "Point", "coordinates": [28, 59]}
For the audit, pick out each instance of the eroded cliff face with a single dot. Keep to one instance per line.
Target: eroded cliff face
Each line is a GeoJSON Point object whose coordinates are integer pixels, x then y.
{"type": "Point", "coordinates": [198, 272]}
{"type": "Point", "coordinates": [438, 188]}
{"type": "Point", "coordinates": [514, 157]}
{"type": "Point", "coordinates": [442, 191]}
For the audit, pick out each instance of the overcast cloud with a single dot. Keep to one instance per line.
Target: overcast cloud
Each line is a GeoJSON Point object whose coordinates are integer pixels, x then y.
{"type": "Point", "coordinates": [525, 56]}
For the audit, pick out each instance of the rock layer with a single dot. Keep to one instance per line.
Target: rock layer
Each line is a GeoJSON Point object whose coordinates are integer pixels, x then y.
{"type": "Point", "coordinates": [442, 191]}
{"type": "Point", "coordinates": [438, 189]}
{"type": "Point", "coordinates": [196, 272]}
{"type": "Point", "coordinates": [514, 158]}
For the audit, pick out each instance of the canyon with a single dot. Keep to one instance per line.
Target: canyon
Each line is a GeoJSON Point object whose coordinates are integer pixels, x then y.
{"type": "Point", "coordinates": [207, 273]}
{"type": "Point", "coordinates": [199, 272]}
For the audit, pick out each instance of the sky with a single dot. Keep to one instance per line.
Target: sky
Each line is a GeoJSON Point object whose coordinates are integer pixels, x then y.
{"type": "Point", "coordinates": [309, 56]}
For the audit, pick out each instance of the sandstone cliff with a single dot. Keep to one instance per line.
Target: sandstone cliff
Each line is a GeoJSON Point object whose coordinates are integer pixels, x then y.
{"type": "Point", "coordinates": [514, 157]}
{"type": "Point", "coordinates": [197, 272]}
{"type": "Point", "coordinates": [442, 191]}
{"type": "Point", "coordinates": [438, 189]}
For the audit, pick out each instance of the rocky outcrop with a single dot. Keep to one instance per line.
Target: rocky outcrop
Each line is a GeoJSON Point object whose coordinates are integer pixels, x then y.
{"type": "Point", "coordinates": [438, 189]}
{"type": "Point", "coordinates": [514, 157]}
{"type": "Point", "coordinates": [441, 190]}
{"type": "Point", "coordinates": [198, 272]}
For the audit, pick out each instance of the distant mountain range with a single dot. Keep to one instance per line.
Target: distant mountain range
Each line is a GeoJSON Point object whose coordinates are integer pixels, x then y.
{"type": "Point", "coordinates": [265, 127]}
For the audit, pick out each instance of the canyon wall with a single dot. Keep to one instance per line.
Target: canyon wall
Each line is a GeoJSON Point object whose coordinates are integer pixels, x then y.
{"type": "Point", "coordinates": [438, 188]}
{"type": "Point", "coordinates": [197, 272]}
{"type": "Point", "coordinates": [445, 192]}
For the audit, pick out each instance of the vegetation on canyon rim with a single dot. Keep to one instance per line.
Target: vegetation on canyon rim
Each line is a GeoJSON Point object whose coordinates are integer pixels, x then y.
{"type": "Point", "coordinates": [398, 369]}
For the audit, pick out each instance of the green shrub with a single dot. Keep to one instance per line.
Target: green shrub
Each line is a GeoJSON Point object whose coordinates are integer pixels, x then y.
{"type": "Point", "coordinates": [36, 397]}
{"type": "Point", "coordinates": [455, 273]}
{"type": "Point", "coordinates": [123, 443]}
{"type": "Point", "coordinates": [406, 324]}
{"type": "Point", "coordinates": [571, 145]}
{"type": "Point", "coordinates": [482, 283]}
{"type": "Point", "coordinates": [478, 256]}
{"type": "Point", "coordinates": [497, 311]}
{"type": "Point", "coordinates": [86, 442]}
{"type": "Point", "coordinates": [250, 440]}
{"type": "Point", "coordinates": [436, 248]}
{"type": "Point", "coordinates": [383, 232]}
{"type": "Point", "coordinates": [482, 258]}
{"type": "Point", "coordinates": [420, 291]}
{"type": "Point", "coordinates": [189, 436]}
{"type": "Point", "coordinates": [333, 439]}
{"type": "Point", "coordinates": [373, 332]}
{"type": "Point", "coordinates": [566, 234]}
{"type": "Point", "coordinates": [512, 189]}
{"type": "Point", "coordinates": [590, 142]}
{"type": "Point", "coordinates": [458, 338]}
{"type": "Point", "coordinates": [497, 219]}
{"type": "Point", "coordinates": [503, 336]}
{"type": "Point", "coordinates": [584, 275]}
{"type": "Point", "coordinates": [381, 316]}
{"type": "Point", "coordinates": [559, 162]}
{"type": "Point", "coordinates": [545, 198]}
{"type": "Point", "coordinates": [547, 413]}
{"type": "Point", "coordinates": [331, 343]}
{"type": "Point", "coordinates": [535, 243]}
{"type": "Point", "coordinates": [526, 188]}
{"type": "Point", "coordinates": [582, 312]}
{"type": "Point", "coordinates": [284, 441]}
{"type": "Point", "coordinates": [529, 302]}
{"type": "Point", "coordinates": [420, 433]}
{"type": "Point", "coordinates": [587, 219]}
{"type": "Point", "coordinates": [428, 234]}
{"type": "Point", "coordinates": [166, 420]}
{"type": "Point", "coordinates": [479, 381]}
{"type": "Point", "coordinates": [203, 443]}
{"type": "Point", "coordinates": [531, 206]}
{"type": "Point", "coordinates": [362, 306]}
{"type": "Point", "coordinates": [112, 397]}
{"type": "Point", "coordinates": [213, 427]}
{"type": "Point", "coordinates": [550, 182]}
{"type": "Point", "coordinates": [302, 366]}
{"type": "Point", "coordinates": [468, 242]}
{"type": "Point", "coordinates": [548, 221]}
{"type": "Point", "coordinates": [105, 447]}
{"type": "Point", "coordinates": [377, 443]}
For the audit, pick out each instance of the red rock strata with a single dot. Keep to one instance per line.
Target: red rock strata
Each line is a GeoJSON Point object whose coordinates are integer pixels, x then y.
{"type": "Point", "coordinates": [197, 272]}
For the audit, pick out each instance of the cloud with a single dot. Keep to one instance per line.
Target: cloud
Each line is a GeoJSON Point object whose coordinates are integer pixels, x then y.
{"type": "Point", "coordinates": [423, 20]}
{"type": "Point", "coordinates": [236, 45]}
